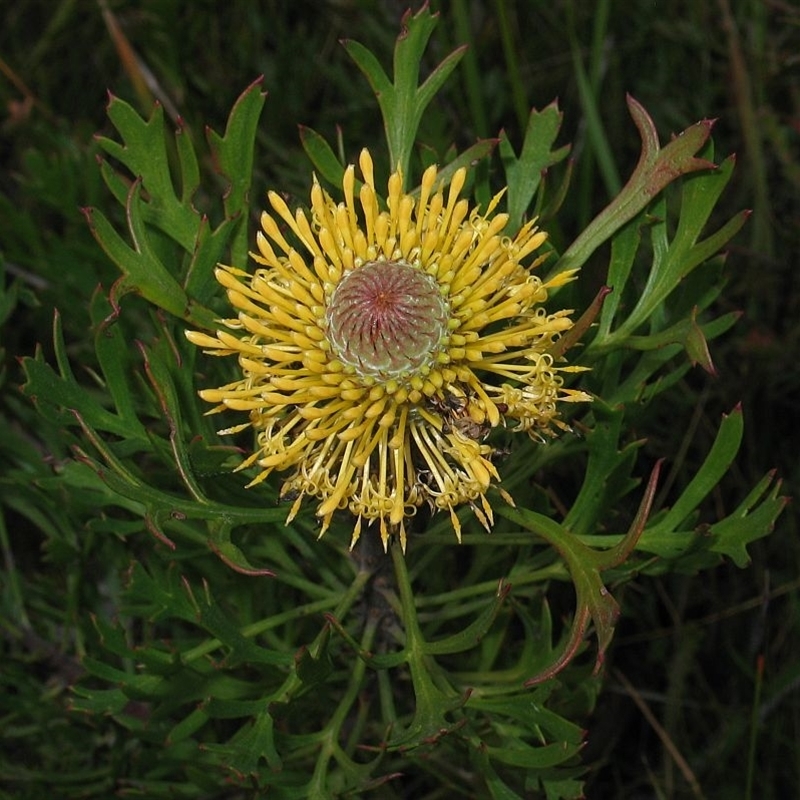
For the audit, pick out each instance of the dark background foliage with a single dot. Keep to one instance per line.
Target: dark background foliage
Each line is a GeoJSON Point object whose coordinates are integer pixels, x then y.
{"type": "Point", "coordinates": [703, 659]}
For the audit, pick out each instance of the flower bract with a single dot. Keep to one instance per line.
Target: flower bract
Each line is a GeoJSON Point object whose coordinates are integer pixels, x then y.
{"type": "Point", "coordinates": [380, 342]}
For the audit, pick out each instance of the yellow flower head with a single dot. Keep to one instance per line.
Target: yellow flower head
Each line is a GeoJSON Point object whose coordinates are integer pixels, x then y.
{"type": "Point", "coordinates": [379, 345]}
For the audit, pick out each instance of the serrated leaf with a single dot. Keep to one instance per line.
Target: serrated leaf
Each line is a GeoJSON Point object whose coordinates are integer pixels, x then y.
{"type": "Point", "coordinates": [697, 346]}
{"type": "Point", "coordinates": [144, 153]}
{"type": "Point", "coordinates": [189, 167]}
{"type": "Point", "coordinates": [253, 744]}
{"type": "Point", "coordinates": [233, 154]}
{"type": "Point", "coordinates": [524, 174]}
{"type": "Point", "coordinates": [159, 507]}
{"type": "Point", "coordinates": [677, 258]}
{"type": "Point", "coordinates": [219, 541]}
{"type": "Point", "coordinates": [402, 103]}
{"type": "Point", "coordinates": [161, 209]}
{"type": "Point", "coordinates": [656, 169]}
{"type": "Point", "coordinates": [241, 649]}
{"type": "Point", "coordinates": [142, 270]}
{"type": "Point", "coordinates": [160, 363]}
{"type": "Point", "coordinates": [315, 669]}
{"type": "Point", "coordinates": [593, 602]}
{"type": "Point", "coordinates": [157, 595]}
{"type": "Point", "coordinates": [530, 711]}
{"type": "Point", "coordinates": [200, 285]}
{"type": "Point", "coordinates": [624, 247]}
{"type": "Point", "coordinates": [61, 392]}
{"type": "Point", "coordinates": [752, 520]}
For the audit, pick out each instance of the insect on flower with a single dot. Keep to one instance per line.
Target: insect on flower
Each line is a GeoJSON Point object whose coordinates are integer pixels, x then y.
{"type": "Point", "coordinates": [380, 343]}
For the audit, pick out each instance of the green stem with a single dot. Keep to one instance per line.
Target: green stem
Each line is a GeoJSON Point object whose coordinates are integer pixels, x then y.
{"type": "Point", "coordinates": [255, 628]}
{"type": "Point", "coordinates": [754, 728]}
{"type": "Point", "coordinates": [435, 700]}
{"type": "Point", "coordinates": [331, 748]}
{"type": "Point", "coordinates": [293, 682]}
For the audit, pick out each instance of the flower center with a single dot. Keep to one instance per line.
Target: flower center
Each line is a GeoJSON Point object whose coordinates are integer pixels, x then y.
{"type": "Point", "coordinates": [387, 319]}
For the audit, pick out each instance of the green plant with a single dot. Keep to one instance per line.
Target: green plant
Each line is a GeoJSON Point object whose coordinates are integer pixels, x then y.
{"type": "Point", "coordinates": [241, 650]}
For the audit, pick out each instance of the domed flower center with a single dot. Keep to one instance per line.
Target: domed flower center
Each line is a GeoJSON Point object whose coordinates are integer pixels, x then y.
{"type": "Point", "coordinates": [387, 319]}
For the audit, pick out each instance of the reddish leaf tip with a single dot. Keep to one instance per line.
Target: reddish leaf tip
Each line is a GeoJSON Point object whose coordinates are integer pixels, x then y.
{"type": "Point", "coordinates": [632, 102]}
{"type": "Point", "coordinates": [251, 572]}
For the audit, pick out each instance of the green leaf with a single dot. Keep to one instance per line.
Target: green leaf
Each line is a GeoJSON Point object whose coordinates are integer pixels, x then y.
{"type": "Point", "coordinates": [209, 250]}
{"type": "Point", "coordinates": [315, 669]}
{"type": "Point", "coordinates": [187, 726]}
{"type": "Point", "coordinates": [189, 167]}
{"type": "Point", "coordinates": [163, 509]}
{"type": "Point", "coordinates": [697, 346]}
{"type": "Point", "coordinates": [144, 153]}
{"type": "Point", "coordinates": [59, 396]}
{"type": "Point", "coordinates": [608, 473]}
{"type": "Point", "coordinates": [403, 102]}
{"type": "Point", "coordinates": [716, 464]}
{"type": "Point", "coordinates": [321, 154]}
{"type": "Point", "coordinates": [524, 174]}
{"type": "Point", "coordinates": [99, 701]}
{"type": "Point", "coordinates": [567, 788]}
{"type": "Point", "coordinates": [656, 169]}
{"type": "Point", "coordinates": [163, 370]}
{"type": "Point", "coordinates": [154, 207]}
{"type": "Point", "coordinates": [624, 247]}
{"type": "Point", "coordinates": [219, 540]}
{"type": "Point", "coordinates": [468, 158]}
{"type": "Point", "coordinates": [753, 519]}
{"type": "Point", "coordinates": [674, 260]}
{"type": "Point", "coordinates": [155, 594]}
{"type": "Point", "coordinates": [241, 649]}
{"type": "Point", "coordinates": [142, 270]}
{"type": "Point", "coordinates": [114, 355]}
{"type": "Point", "coordinates": [435, 704]}
{"type": "Point", "coordinates": [498, 789]}
{"type": "Point", "coordinates": [522, 755]}
{"type": "Point", "coordinates": [233, 156]}
{"type": "Point", "coordinates": [473, 633]}
{"type": "Point", "coordinates": [253, 744]}
{"type": "Point", "coordinates": [593, 601]}
{"type": "Point", "coordinates": [530, 711]}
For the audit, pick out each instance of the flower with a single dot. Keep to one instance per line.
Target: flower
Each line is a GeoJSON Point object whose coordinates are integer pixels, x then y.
{"type": "Point", "coordinates": [380, 345]}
